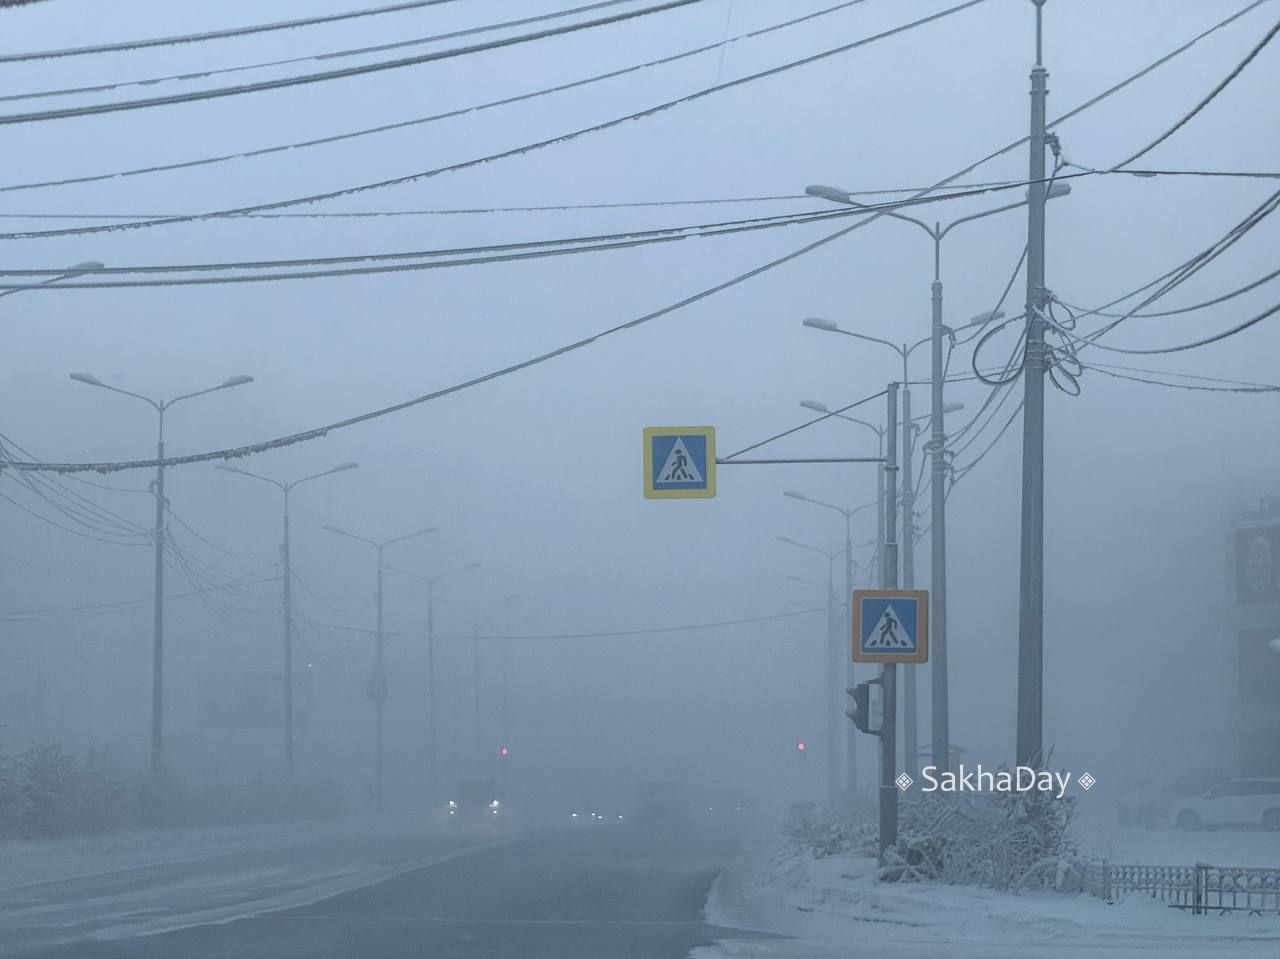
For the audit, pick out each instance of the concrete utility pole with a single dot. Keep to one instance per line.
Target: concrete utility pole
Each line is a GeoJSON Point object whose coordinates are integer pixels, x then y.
{"type": "Point", "coordinates": [909, 709]}
{"type": "Point", "coordinates": [158, 536]}
{"type": "Point", "coordinates": [888, 671]}
{"type": "Point", "coordinates": [287, 597]}
{"type": "Point", "coordinates": [1030, 733]}
{"type": "Point", "coordinates": [376, 688]}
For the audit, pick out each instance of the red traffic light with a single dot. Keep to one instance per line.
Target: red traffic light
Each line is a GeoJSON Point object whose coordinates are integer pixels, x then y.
{"type": "Point", "coordinates": [504, 751]}
{"type": "Point", "coordinates": [800, 746]}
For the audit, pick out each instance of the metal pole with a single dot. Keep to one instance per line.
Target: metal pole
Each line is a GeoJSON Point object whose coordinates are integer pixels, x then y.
{"type": "Point", "coordinates": [431, 693]}
{"type": "Point", "coordinates": [888, 672]}
{"type": "Point", "coordinates": [157, 647]}
{"type": "Point", "coordinates": [940, 734]}
{"type": "Point", "coordinates": [909, 708]}
{"type": "Point", "coordinates": [288, 649]}
{"type": "Point", "coordinates": [833, 684]}
{"type": "Point", "coordinates": [475, 684]}
{"type": "Point", "coordinates": [880, 538]}
{"type": "Point", "coordinates": [844, 641]}
{"type": "Point", "coordinates": [378, 679]}
{"type": "Point", "coordinates": [1031, 580]}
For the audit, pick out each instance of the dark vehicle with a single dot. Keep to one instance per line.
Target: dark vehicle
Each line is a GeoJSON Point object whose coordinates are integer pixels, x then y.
{"type": "Point", "coordinates": [477, 804]}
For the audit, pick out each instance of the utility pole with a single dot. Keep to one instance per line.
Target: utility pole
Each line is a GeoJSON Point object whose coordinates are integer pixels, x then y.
{"type": "Point", "coordinates": [888, 671]}
{"type": "Point", "coordinates": [1030, 724]}
{"type": "Point", "coordinates": [432, 746]}
{"type": "Point", "coordinates": [378, 693]}
{"type": "Point", "coordinates": [157, 641]}
{"type": "Point", "coordinates": [909, 708]}
{"type": "Point", "coordinates": [287, 591]}
{"type": "Point", "coordinates": [475, 683]}
{"type": "Point", "coordinates": [843, 651]}
{"type": "Point", "coordinates": [939, 719]}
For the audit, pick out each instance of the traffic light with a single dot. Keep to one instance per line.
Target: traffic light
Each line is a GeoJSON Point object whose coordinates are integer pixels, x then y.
{"type": "Point", "coordinates": [504, 752]}
{"type": "Point", "coordinates": [860, 710]}
{"type": "Point", "coordinates": [800, 746]}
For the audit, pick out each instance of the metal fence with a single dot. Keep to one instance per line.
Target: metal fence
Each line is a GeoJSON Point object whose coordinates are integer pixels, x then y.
{"type": "Point", "coordinates": [1202, 888]}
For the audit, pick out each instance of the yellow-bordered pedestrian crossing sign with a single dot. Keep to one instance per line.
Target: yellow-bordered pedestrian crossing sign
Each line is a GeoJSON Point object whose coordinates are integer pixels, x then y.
{"type": "Point", "coordinates": [679, 462]}
{"type": "Point", "coordinates": [890, 625]}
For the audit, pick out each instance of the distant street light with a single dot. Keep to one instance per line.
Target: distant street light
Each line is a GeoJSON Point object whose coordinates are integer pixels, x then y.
{"type": "Point", "coordinates": [157, 652]}
{"type": "Point", "coordinates": [377, 686]}
{"type": "Point", "coordinates": [284, 488]}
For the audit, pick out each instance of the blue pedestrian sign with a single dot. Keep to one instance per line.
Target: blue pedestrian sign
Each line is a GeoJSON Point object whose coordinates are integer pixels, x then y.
{"type": "Point", "coordinates": [890, 626]}
{"type": "Point", "coordinates": [679, 462]}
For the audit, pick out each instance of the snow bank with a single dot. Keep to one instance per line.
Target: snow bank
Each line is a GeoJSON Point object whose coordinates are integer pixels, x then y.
{"type": "Point", "coordinates": [836, 901]}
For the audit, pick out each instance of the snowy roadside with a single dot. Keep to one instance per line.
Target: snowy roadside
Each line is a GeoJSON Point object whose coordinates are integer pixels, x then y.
{"type": "Point", "coordinates": [829, 904]}
{"type": "Point", "coordinates": [25, 862]}
{"type": "Point", "coordinates": [141, 883]}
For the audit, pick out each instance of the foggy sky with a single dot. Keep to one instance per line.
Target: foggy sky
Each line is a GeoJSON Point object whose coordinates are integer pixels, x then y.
{"type": "Point", "coordinates": [537, 475]}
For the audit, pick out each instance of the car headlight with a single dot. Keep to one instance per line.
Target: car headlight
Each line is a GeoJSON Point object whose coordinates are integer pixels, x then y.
{"type": "Point", "coordinates": [453, 804]}
{"type": "Point", "coordinates": [495, 804]}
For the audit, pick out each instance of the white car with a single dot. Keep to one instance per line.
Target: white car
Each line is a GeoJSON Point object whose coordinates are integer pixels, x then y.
{"type": "Point", "coordinates": [1237, 802]}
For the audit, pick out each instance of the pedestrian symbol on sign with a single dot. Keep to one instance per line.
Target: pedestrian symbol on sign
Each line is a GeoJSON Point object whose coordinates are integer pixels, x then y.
{"type": "Point", "coordinates": [679, 468]}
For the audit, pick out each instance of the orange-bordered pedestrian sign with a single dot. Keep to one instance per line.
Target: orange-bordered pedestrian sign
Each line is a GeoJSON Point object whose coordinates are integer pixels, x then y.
{"type": "Point", "coordinates": [679, 462]}
{"type": "Point", "coordinates": [890, 625]}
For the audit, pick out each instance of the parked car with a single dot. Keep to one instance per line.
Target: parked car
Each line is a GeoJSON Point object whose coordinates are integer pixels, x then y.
{"type": "Point", "coordinates": [1236, 802]}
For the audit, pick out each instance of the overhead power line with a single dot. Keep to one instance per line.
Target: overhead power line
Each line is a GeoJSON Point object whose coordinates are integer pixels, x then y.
{"type": "Point", "coordinates": [316, 433]}
{"type": "Point", "coordinates": [333, 55]}
{"type": "Point", "coordinates": [1208, 98]}
{"type": "Point", "coordinates": [219, 34]}
{"type": "Point", "coordinates": [340, 73]}
{"type": "Point", "coordinates": [505, 154]}
{"type": "Point", "coordinates": [448, 257]}
{"type": "Point", "coordinates": [417, 121]}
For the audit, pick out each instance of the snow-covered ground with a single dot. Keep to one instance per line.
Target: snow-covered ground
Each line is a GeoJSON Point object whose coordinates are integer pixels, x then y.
{"type": "Point", "coordinates": [826, 907]}
{"type": "Point", "coordinates": [135, 883]}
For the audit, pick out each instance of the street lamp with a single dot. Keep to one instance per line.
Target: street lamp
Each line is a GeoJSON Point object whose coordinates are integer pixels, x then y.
{"type": "Point", "coordinates": [833, 657]}
{"type": "Point", "coordinates": [157, 651]}
{"type": "Point", "coordinates": [287, 587]}
{"type": "Point", "coordinates": [937, 445]}
{"type": "Point", "coordinates": [433, 750]}
{"type": "Point", "coordinates": [87, 266]}
{"type": "Point", "coordinates": [377, 686]}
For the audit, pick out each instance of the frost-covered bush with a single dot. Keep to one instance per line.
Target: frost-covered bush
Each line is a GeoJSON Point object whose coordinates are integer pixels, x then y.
{"type": "Point", "coordinates": [1007, 841]}
{"type": "Point", "coordinates": [822, 832]}
{"type": "Point", "coordinates": [45, 792]}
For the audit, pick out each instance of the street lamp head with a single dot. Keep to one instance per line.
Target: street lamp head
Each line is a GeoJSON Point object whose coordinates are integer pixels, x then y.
{"type": "Point", "coordinates": [827, 193]}
{"type": "Point", "coordinates": [794, 495]}
{"type": "Point", "coordinates": [344, 466]}
{"type": "Point", "coordinates": [235, 381]}
{"type": "Point", "coordinates": [815, 406]}
{"type": "Point", "coordinates": [334, 529]}
{"type": "Point", "coordinates": [787, 539]}
{"type": "Point", "coordinates": [952, 407]}
{"type": "Point", "coordinates": [1057, 190]}
{"type": "Point", "coordinates": [817, 323]}
{"type": "Point", "coordinates": [86, 266]}
{"type": "Point", "coordinates": [87, 378]}
{"type": "Point", "coordinates": [990, 316]}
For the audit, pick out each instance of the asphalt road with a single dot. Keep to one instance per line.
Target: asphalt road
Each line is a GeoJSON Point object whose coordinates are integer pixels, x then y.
{"type": "Point", "coordinates": [598, 892]}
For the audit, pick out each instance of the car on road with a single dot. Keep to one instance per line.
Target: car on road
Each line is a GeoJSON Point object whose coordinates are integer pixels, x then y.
{"type": "Point", "coordinates": [1236, 802]}
{"type": "Point", "coordinates": [478, 804]}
